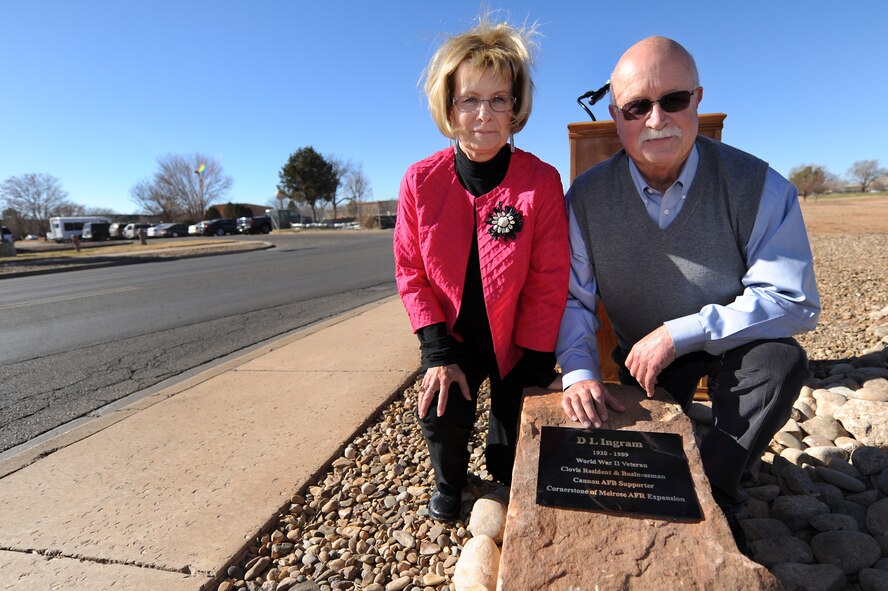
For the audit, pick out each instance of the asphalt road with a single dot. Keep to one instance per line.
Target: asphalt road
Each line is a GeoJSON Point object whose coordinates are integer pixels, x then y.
{"type": "Point", "coordinates": [73, 342]}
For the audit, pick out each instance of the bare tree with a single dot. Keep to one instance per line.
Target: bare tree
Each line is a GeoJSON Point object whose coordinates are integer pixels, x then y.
{"type": "Point", "coordinates": [809, 179]}
{"type": "Point", "coordinates": [35, 196]}
{"type": "Point", "coordinates": [356, 188]}
{"type": "Point", "coordinates": [341, 170]}
{"type": "Point", "coordinates": [864, 172]}
{"type": "Point", "coordinates": [148, 196]}
{"type": "Point", "coordinates": [183, 186]}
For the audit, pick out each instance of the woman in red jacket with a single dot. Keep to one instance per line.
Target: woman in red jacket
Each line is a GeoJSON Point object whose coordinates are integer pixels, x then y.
{"type": "Point", "coordinates": [481, 255]}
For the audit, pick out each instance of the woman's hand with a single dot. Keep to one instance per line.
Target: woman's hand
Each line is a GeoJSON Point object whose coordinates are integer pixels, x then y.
{"type": "Point", "coordinates": [437, 380]}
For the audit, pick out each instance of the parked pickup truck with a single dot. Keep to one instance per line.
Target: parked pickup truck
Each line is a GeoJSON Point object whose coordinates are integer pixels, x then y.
{"type": "Point", "coordinates": [257, 225]}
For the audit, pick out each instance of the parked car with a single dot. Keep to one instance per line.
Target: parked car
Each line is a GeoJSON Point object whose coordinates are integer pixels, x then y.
{"type": "Point", "coordinates": [219, 227]}
{"type": "Point", "coordinates": [131, 231]}
{"type": "Point", "coordinates": [195, 229]}
{"type": "Point", "coordinates": [256, 225]}
{"type": "Point", "coordinates": [32, 237]}
{"type": "Point", "coordinates": [96, 231]}
{"type": "Point", "coordinates": [115, 230]}
{"type": "Point", "coordinates": [168, 230]}
{"type": "Point", "coordinates": [6, 235]}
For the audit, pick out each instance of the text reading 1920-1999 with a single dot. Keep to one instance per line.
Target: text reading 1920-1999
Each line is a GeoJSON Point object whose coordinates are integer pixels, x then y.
{"type": "Point", "coordinates": [616, 471]}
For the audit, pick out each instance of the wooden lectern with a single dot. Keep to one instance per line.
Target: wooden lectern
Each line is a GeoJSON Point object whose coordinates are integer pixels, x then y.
{"type": "Point", "coordinates": [590, 143]}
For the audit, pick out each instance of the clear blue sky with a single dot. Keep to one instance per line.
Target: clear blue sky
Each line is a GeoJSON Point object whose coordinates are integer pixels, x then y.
{"type": "Point", "coordinates": [94, 92]}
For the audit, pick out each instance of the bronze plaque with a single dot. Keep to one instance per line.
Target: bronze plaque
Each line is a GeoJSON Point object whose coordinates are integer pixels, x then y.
{"type": "Point", "coordinates": [616, 471]}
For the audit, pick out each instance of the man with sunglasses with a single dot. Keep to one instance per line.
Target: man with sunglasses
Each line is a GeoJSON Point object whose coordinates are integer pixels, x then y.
{"type": "Point", "coordinates": [699, 254]}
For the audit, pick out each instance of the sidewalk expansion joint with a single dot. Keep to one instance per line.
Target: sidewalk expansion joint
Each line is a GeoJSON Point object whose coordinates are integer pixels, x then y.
{"type": "Point", "coordinates": [52, 554]}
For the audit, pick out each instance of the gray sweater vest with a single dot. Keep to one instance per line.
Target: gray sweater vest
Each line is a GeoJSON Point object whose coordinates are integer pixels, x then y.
{"type": "Point", "coordinates": [646, 275]}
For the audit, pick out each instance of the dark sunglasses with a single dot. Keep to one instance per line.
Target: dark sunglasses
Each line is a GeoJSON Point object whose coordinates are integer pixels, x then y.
{"type": "Point", "coordinates": [671, 103]}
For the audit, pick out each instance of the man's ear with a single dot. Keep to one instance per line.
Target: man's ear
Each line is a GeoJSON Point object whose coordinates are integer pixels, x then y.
{"type": "Point", "coordinates": [612, 109]}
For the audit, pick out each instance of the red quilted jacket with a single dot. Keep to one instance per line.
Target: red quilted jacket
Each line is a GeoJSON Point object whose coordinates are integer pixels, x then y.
{"type": "Point", "coordinates": [524, 279]}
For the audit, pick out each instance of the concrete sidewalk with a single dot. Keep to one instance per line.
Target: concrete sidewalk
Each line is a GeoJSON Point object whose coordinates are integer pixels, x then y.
{"type": "Point", "coordinates": [165, 492]}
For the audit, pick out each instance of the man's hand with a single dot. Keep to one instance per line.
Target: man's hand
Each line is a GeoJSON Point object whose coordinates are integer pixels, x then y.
{"type": "Point", "coordinates": [437, 380]}
{"type": "Point", "coordinates": [649, 357]}
{"type": "Point", "coordinates": [587, 401]}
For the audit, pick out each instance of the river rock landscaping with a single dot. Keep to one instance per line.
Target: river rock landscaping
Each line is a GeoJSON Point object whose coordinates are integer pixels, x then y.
{"type": "Point", "coordinates": [817, 514]}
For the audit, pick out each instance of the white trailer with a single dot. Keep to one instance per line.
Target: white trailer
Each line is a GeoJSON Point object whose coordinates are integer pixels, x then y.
{"type": "Point", "coordinates": [62, 229]}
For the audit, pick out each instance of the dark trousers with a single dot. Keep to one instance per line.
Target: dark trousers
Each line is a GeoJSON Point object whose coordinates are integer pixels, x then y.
{"type": "Point", "coordinates": [448, 436]}
{"type": "Point", "coordinates": [752, 389]}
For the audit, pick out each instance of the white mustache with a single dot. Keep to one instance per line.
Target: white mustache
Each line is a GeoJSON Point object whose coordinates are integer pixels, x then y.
{"type": "Point", "coordinates": [657, 134]}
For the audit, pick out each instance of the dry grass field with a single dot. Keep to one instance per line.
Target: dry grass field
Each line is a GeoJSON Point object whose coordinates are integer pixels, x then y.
{"type": "Point", "coordinates": [846, 215]}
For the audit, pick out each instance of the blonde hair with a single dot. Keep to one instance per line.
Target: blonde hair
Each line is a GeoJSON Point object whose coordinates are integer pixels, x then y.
{"type": "Point", "coordinates": [504, 50]}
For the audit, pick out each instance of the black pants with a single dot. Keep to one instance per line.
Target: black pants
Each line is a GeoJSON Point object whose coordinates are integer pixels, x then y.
{"type": "Point", "coordinates": [448, 436]}
{"type": "Point", "coordinates": [752, 389]}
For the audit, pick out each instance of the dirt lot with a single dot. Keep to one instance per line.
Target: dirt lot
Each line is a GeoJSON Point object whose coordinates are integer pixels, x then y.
{"type": "Point", "coordinates": [846, 215]}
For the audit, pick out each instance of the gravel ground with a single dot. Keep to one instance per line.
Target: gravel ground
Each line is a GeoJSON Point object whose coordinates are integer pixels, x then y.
{"type": "Point", "coordinates": [364, 524]}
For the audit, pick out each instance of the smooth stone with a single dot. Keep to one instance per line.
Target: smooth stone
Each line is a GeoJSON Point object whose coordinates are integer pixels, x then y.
{"type": "Point", "coordinates": [407, 541]}
{"type": "Point", "coordinates": [398, 584]}
{"type": "Point", "coordinates": [795, 456]}
{"type": "Point", "coordinates": [756, 508]}
{"type": "Point", "coordinates": [865, 498]}
{"type": "Point", "coordinates": [824, 454]}
{"type": "Point", "coordinates": [816, 441]}
{"type": "Point", "coordinates": [766, 493]}
{"type": "Point", "coordinates": [762, 529]}
{"type": "Point", "coordinates": [858, 512]}
{"type": "Point", "coordinates": [796, 510]}
{"type": "Point", "coordinates": [788, 440]}
{"type": "Point", "coordinates": [841, 390]}
{"type": "Point", "coordinates": [882, 481]}
{"type": "Point", "coordinates": [797, 481]}
{"type": "Point", "coordinates": [877, 518]}
{"type": "Point", "coordinates": [849, 444]}
{"type": "Point", "coordinates": [803, 412]}
{"type": "Point", "coordinates": [828, 402]}
{"type": "Point", "coordinates": [841, 480]}
{"type": "Point", "coordinates": [869, 460]}
{"type": "Point", "coordinates": [433, 579]}
{"type": "Point", "coordinates": [845, 468]}
{"type": "Point", "coordinates": [257, 568]}
{"type": "Point", "coordinates": [882, 564]}
{"type": "Point", "coordinates": [871, 395]}
{"type": "Point", "coordinates": [829, 493]}
{"type": "Point", "coordinates": [810, 577]}
{"type": "Point", "coordinates": [791, 426]}
{"type": "Point", "coordinates": [876, 384]}
{"type": "Point", "coordinates": [773, 551]}
{"type": "Point", "coordinates": [826, 426]}
{"type": "Point", "coordinates": [488, 518]}
{"type": "Point", "coordinates": [833, 522]}
{"type": "Point", "coordinates": [478, 565]}
{"type": "Point", "coordinates": [872, 579]}
{"type": "Point", "coordinates": [851, 551]}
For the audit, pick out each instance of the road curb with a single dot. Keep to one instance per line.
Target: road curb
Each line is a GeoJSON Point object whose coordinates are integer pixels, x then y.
{"type": "Point", "coordinates": [130, 259]}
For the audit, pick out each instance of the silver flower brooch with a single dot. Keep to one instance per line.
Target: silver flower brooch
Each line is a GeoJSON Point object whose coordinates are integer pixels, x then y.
{"type": "Point", "coordinates": [504, 222]}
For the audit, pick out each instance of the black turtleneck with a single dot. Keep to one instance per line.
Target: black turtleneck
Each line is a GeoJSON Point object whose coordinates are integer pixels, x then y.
{"type": "Point", "coordinates": [436, 344]}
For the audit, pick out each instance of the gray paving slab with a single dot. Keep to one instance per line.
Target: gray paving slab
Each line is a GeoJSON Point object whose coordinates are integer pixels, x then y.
{"type": "Point", "coordinates": [185, 482]}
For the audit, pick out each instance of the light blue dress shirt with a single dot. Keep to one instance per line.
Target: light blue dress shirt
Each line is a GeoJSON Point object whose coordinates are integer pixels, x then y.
{"type": "Point", "coordinates": [779, 299]}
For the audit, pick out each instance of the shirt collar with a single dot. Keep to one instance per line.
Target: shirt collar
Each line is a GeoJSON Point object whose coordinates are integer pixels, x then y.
{"type": "Point", "coordinates": [685, 177]}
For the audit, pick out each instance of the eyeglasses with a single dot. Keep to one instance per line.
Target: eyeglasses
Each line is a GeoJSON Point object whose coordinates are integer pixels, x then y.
{"type": "Point", "coordinates": [501, 103]}
{"type": "Point", "coordinates": [671, 103]}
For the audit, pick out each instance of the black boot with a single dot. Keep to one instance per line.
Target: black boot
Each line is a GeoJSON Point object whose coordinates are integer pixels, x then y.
{"type": "Point", "coordinates": [444, 507]}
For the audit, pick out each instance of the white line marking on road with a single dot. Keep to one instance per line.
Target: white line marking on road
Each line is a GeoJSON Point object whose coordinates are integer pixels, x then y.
{"type": "Point", "coordinates": [64, 298]}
